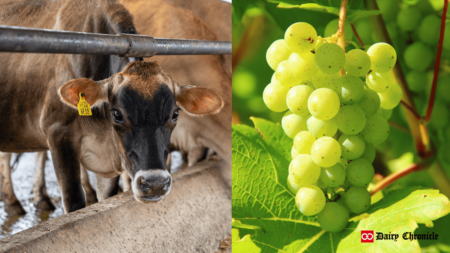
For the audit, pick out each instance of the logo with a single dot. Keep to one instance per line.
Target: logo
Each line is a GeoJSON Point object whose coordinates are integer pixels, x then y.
{"type": "Point", "coordinates": [367, 236]}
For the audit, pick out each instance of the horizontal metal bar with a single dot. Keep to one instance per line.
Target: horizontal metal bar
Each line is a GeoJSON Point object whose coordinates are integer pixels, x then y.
{"type": "Point", "coordinates": [31, 40]}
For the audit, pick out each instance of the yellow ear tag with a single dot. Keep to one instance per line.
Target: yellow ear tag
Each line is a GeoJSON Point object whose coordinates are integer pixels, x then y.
{"type": "Point", "coordinates": [84, 109]}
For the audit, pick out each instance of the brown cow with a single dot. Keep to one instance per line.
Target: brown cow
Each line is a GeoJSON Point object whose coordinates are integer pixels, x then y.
{"type": "Point", "coordinates": [216, 14]}
{"type": "Point", "coordinates": [133, 112]}
{"type": "Point", "coordinates": [162, 19]}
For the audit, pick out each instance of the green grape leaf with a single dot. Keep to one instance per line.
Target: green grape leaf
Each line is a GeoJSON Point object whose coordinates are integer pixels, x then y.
{"type": "Point", "coordinates": [399, 212]}
{"type": "Point", "coordinates": [267, 219]}
{"type": "Point", "coordinates": [354, 11]}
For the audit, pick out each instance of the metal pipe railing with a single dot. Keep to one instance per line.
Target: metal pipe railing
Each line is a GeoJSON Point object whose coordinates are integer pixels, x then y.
{"type": "Point", "coordinates": [31, 40]}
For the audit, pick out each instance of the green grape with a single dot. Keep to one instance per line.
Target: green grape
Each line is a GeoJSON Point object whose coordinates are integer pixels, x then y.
{"type": "Point", "coordinates": [323, 104]}
{"type": "Point", "coordinates": [344, 162]}
{"type": "Point", "coordinates": [303, 142]}
{"type": "Point", "coordinates": [389, 9]}
{"type": "Point", "coordinates": [350, 119]}
{"type": "Point", "coordinates": [333, 218]}
{"type": "Point", "coordinates": [346, 185]}
{"type": "Point", "coordinates": [418, 56]}
{"type": "Point", "coordinates": [417, 81]}
{"type": "Point", "coordinates": [379, 82]}
{"type": "Point", "coordinates": [429, 29]}
{"type": "Point", "coordinates": [304, 170]}
{"type": "Point", "coordinates": [303, 66]}
{"type": "Point", "coordinates": [385, 114]}
{"type": "Point", "coordinates": [297, 99]}
{"type": "Point", "coordinates": [424, 6]}
{"type": "Point", "coordinates": [357, 63]}
{"type": "Point", "coordinates": [320, 184]}
{"type": "Point", "coordinates": [308, 83]}
{"type": "Point", "coordinates": [333, 176]}
{"type": "Point", "coordinates": [325, 151]}
{"type": "Point", "coordinates": [409, 18]}
{"type": "Point", "coordinates": [443, 153]}
{"type": "Point", "coordinates": [284, 76]}
{"type": "Point", "coordinates": [357, 199]}
{"type": "Point", "coordinates": [274, 97]}
{"type": "Point", "coordinates": [392, 97]}
{"type": "Point", "coordinates": [320, 128]}
{"type": "Point", "coordinates": [447, 133]}
{"type": "Point", "coordinates": [392, 29]}
{"type": "Point", "coordinates": [360, 172]}
{"type": "Point", "coordinates": [310, 200]}
{"type": "Point", "coordinates": [292, 184]}
{"type": "Point", "coordinates": [330, 58]}
{"type": "Point", "coordinates": [294, 152]}
{"type": "Point", "coordinates": [443, 88]}
{"type": "Point", "coordinates": [350, 89]}
{"type": "Point", "coordinates": [440, 115]}
{"type": "Point", "coordinates": [369, 153]}
{"type": "Point", "coordinates": [370, 102]}
{"type": "Point", "coordinates": [446, 43]}
{"type": "Point", "coordinates": [382, 57]}
{"type": "Point", "coordinates": [277, 53]}
{"type": "Point", "coordinates": [332, 28]}
{"type": "Point", "coordinates": [352, 146]}
{"type": "Point", "coordinates": [292, 124]}
{"type": "Point", "coordinates": [341, 201]}
{"type": "Point", "coordinates": [364, 29]}
{"type": "Point", "coordinates": [322, 80]}
{"type": "Point", "coordinates": [300, 37]}
{"type": "Point", "coordinates": [376, 130]}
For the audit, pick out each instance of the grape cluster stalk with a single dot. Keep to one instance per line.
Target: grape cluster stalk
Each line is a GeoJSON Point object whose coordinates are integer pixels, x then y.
{"type": "Point", "coordinates": [337, 105]}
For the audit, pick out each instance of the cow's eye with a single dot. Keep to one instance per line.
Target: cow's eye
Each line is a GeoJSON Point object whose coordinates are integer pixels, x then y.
{"type": "Point", "coordinates": [175, 115]}
{"type": "Point", "coordinates": [117, 116]}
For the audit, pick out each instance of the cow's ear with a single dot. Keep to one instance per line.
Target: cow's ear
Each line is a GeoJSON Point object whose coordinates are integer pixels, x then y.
{"type": "Point", "coordinates": [70, 91]}
{"type": "Point", "coordinates": [198, 101]}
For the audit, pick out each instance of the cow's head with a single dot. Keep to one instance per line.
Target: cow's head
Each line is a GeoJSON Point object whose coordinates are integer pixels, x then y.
{"type": "Point", "coordinates": [143, 104]}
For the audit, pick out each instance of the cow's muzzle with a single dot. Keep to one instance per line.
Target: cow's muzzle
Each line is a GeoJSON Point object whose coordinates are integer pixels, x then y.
{"type": "Point", "coordinates": [151, 185]}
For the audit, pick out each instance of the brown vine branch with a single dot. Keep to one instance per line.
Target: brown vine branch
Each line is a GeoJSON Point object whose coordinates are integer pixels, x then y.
{"type": "Point", "coordinates": [341, 24]}
{"type": "Point", "coordinates": [437, 63]}
{"type": "Point", "coordinates": [397, 175]}
{"type": "Point", "coordinates": [399, 127]}
{"type": "Point", "coordinates": [410, 109]}
{"type": "Point", "coordinates": [357, 35]}
{"type": "Point", "coordinates": [341, 27]}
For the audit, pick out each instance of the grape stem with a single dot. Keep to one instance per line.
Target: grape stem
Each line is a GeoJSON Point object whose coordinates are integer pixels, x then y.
{"type": "Point", "coordinates": [399, 127]}
{"type": "Point", "coordinates": [410, 109]}
{"type": "Point", "coordinates": [341, 26]}
{"type": "Point", "coordinates": [437, 63]}
{"type": "Point", "coordinates": [397, 175]}
{"type": "Point", "coordinates": [357, 35]}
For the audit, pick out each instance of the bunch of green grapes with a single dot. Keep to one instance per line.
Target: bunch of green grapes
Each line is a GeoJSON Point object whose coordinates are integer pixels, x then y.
{"type": "Point", "coordinates": [337, 106]}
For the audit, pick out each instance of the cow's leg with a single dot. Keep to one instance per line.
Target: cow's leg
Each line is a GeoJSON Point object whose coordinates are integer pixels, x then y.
{"type": "Point", "coordinates": [107, 187]}
{"type": "Point", "coordinates": [12, 205]}
{"type": "Point", "coordinates": [41, 199]}
{"type": "Point", "coordinates": [126, 181]}
{"type": "Point", "coordinates": [67, 169]}
{"type": "Point", "coordinates": [91, 195]}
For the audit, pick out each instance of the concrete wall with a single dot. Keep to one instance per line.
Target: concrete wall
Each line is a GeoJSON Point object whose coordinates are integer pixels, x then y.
{"type": "Point", "coordinates": [194, 217]}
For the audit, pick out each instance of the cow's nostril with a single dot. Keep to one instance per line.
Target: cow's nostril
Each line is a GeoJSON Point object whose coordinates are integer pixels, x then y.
{"type": "Point", "coordinates": [155, 182]}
